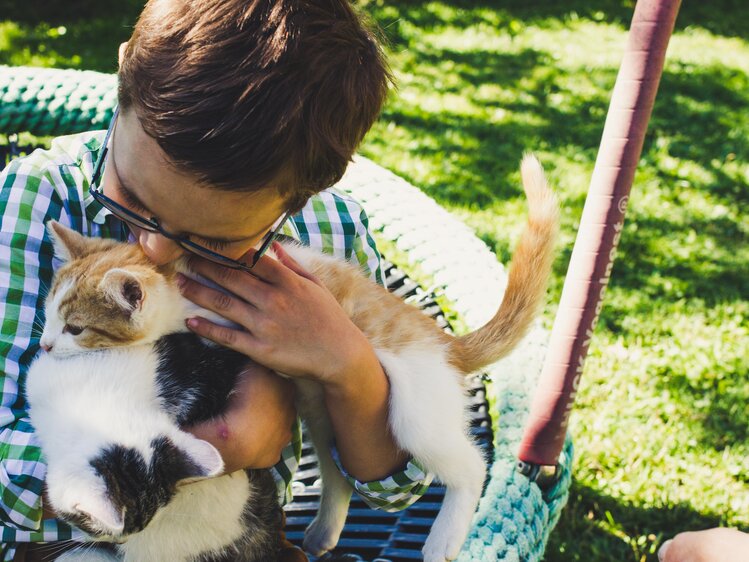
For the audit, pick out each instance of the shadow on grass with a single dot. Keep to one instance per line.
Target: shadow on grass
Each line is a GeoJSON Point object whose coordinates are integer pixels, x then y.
{"type": "Point", "coordinates": [61, 12]}
{"type": "Point", "coordinates": [699, 128]}
{"type": "Point", "coordinates": [598, 528]}
{"type": "Point", "coordinates": [728, 18]}
{"type": "Point", "coordinates": [717, 401]}
{"type": "Point", "coordinates": [722, 17]}
{"type": "Point", "coordinates": [697, 114]}
{"type": "Point", "coordinates": [86, 45]}
{"type": "Point", "coordinates": [712, 272]}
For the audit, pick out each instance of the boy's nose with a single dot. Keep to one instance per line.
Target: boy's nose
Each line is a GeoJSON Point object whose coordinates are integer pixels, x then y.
{"type": "Point", "coordinates": [158, 248]}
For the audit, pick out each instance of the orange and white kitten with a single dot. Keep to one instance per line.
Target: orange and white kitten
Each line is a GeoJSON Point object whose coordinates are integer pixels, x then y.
{"type": "Point", "coordinates": [119, 299]}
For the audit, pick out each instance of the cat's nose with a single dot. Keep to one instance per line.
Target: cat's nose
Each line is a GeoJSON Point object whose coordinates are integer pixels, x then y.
{"type": "Point", "coordinates": [46, 348]}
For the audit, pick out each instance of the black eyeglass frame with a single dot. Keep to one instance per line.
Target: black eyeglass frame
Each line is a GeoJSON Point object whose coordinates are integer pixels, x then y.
{"type": "Point", "coordinates": [152, 224]}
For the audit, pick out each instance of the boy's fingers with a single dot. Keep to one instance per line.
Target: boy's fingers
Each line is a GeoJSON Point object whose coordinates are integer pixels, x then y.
{"type": "Point", "coordinates": [663, 550]}
{"type": "Point", "coordinates": [237, 340]}
{"type": "Point", "coordinates": [240, 310]}
{"type": "Point", "coordinates": [266, 268]}
{"type": "Point", "coordinates": [291, 263]}
{"type": "Point", "coordinates": [720, 543]}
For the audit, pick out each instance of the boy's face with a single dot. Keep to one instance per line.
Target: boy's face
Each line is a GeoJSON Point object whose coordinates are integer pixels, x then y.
{"type": "Point", "coordinates": [137, 167]}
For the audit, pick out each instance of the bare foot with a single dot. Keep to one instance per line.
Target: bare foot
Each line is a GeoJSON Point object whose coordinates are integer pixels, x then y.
{"type": "Point", "coordinates": [713, 545]}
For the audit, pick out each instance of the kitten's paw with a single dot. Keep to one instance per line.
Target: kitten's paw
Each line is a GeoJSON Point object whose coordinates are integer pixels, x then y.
{"type": "Point", "coordinates": [320, 537]}
{"type": "Point", "coordinates": [442, 547]}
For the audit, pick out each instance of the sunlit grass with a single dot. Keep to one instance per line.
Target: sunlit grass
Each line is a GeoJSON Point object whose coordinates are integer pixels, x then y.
{"type": "Point", "coordinates": [661, 423]}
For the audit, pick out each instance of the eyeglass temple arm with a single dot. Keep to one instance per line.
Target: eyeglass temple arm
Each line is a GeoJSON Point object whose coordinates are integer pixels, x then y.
{"type": "Point", "coordinates": [104, 150]}
{"type": "Point", "coordinates": [268, 241]}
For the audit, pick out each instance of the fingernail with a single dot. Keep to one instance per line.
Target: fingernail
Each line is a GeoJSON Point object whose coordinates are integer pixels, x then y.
{"type": "Point", "coordinates": [181, 281]}
{"type": "Point", "coordinates": [192, 323]}
{"type": "Point", "coordinates": [663, 549]}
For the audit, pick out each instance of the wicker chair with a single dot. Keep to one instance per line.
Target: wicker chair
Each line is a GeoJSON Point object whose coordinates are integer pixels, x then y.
{"type": "Point", "coordinates": [514, 517]}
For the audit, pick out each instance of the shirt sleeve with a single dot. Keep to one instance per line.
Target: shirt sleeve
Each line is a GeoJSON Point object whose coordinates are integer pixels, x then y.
{"type": "Point", "coordinates": [284, 470]}
{"type": "Point", "coordinates": [394, 493]}
{"type": "Point", "coordinates": [364, 249]}
{"type": "Point", "coordinates": [27, 201]}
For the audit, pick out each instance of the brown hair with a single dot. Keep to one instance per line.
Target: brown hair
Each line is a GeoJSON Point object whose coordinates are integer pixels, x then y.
{"type": "Point", "coordinates": [250, 93]}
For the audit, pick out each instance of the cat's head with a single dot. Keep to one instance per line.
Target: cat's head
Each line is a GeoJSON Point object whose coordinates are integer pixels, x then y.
{"type": "Point", "coordinates": [107, 294]}
{"type": "Point", "coordinates": [124, 487]}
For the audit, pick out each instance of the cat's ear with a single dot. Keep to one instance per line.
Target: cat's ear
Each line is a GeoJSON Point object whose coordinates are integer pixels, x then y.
{"type": "Point", "coordinates": [124, 287]}
{"type": "Point", "coordinates": [202, 459]}
{"type": "Point", "coordinates": [98, 508]}
{"type": "Point", "coordinates": [68, 243]}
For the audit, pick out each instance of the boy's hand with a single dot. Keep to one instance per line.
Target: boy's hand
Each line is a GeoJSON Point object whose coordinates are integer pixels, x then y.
{"type": "Point", "coordinates": [257, 423]}
{"type": "Point", "coordinates": [713, 545]}
{"type": "Point", "coordinates": [291, 322]}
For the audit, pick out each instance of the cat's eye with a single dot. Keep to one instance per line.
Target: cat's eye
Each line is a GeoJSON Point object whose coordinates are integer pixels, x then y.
{"type": "Point", "coordinates": [72, 330]}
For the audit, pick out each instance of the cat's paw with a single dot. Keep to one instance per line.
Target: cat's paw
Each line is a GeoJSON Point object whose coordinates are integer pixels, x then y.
{"type": "Point", "coordinates": [320, 537]}
{"type": "Point", "coordinates": [442, 547]}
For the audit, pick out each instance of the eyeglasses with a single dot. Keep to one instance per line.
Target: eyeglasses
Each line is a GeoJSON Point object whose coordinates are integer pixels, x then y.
{"type": "Point", "coordinates": [152, 224]}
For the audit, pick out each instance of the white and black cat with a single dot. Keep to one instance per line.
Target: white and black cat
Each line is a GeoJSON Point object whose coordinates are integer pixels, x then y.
{"type": "Point", "coordinates": [119, 464]}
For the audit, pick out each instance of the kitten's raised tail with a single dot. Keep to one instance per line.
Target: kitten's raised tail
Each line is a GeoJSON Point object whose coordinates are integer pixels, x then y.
{"type": "Point", "coordinates": [528, 277]}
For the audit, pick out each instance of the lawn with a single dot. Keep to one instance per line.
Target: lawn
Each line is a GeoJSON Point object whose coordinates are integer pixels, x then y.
{"type": "Point", "coordinates": [661, 425]}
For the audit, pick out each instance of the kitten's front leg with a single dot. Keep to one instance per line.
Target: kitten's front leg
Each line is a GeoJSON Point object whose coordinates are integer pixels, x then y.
{"type": "Point", "coordinates": [323, 533]}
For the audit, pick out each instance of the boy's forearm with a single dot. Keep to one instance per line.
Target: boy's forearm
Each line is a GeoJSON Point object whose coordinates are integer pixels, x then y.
{"type": "Point", "coordinates": [358, 407]}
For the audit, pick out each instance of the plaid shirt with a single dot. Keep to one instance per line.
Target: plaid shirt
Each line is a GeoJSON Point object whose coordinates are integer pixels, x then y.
{"type": "Point", "coordinates": [53, 184]}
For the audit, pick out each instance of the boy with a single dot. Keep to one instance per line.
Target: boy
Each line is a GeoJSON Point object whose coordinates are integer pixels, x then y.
{"type": "Point", "coordinates": [231, 115]}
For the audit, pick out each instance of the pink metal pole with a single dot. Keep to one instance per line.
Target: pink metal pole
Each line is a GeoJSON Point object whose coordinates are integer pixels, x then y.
{"type": "Point", "coordinates": [600, 229]}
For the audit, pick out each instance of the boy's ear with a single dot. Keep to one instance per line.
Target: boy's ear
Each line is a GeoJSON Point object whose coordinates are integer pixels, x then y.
{"type": "Point", "coordinates": [68, 243]}
{"type": "Point", "coordinates": [121, 53]}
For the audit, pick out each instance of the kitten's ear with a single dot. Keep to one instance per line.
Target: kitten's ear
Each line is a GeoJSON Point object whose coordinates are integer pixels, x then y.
{"type": "Point", "coordinates": [68, 243]}
{"type": "Point", "coordinates": [124, 287]}
{"type": "Point", "coordinates": [99, 509]}
{"type": "Point", "coordinates": [203, 459]}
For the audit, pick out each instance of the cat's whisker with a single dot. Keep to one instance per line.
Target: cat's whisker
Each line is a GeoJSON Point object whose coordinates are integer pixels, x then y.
{"type": "Point", "coordinates": [43, 290]}
{"type": "Point", "coordinates": [37, 325]}
{"type": "Point", "coordinates": [55, 548]}
{"type": "Point", "coordinates": [50, 546]}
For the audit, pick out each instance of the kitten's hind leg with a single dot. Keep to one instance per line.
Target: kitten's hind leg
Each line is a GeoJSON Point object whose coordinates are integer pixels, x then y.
{"type": "Point", "coordinates": [323, 533]}
{"type": "Point", "coordinates": [432, 429]}
{"type": "Point", "coordinates": [464, 482]}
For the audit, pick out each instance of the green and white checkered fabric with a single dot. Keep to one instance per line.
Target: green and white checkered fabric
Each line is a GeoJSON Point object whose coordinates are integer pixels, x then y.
{"type": "Point", "coordinates": [393, 493]}
{"type": "Point", "coordinates": [53, 184]}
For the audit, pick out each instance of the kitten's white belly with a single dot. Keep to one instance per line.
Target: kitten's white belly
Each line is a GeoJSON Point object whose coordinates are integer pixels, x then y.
{"type": "Point", "coordinates": [204, 516]}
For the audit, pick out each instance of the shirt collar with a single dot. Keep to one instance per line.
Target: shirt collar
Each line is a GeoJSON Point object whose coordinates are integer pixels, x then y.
{"type": "Point", "coordinates": [95, 211]}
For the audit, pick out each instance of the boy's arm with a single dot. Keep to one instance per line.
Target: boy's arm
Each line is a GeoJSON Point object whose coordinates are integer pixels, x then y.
{"type": "Point", "coordinates": [27, 200]}
{"type": "Point", "coordinates": [281, 310]}
{"type": "Point", "coordinates": [406, 484]}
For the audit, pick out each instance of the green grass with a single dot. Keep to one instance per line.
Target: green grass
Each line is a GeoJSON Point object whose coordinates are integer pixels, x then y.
{"type": "Point", "coordinates": [662, 419]}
